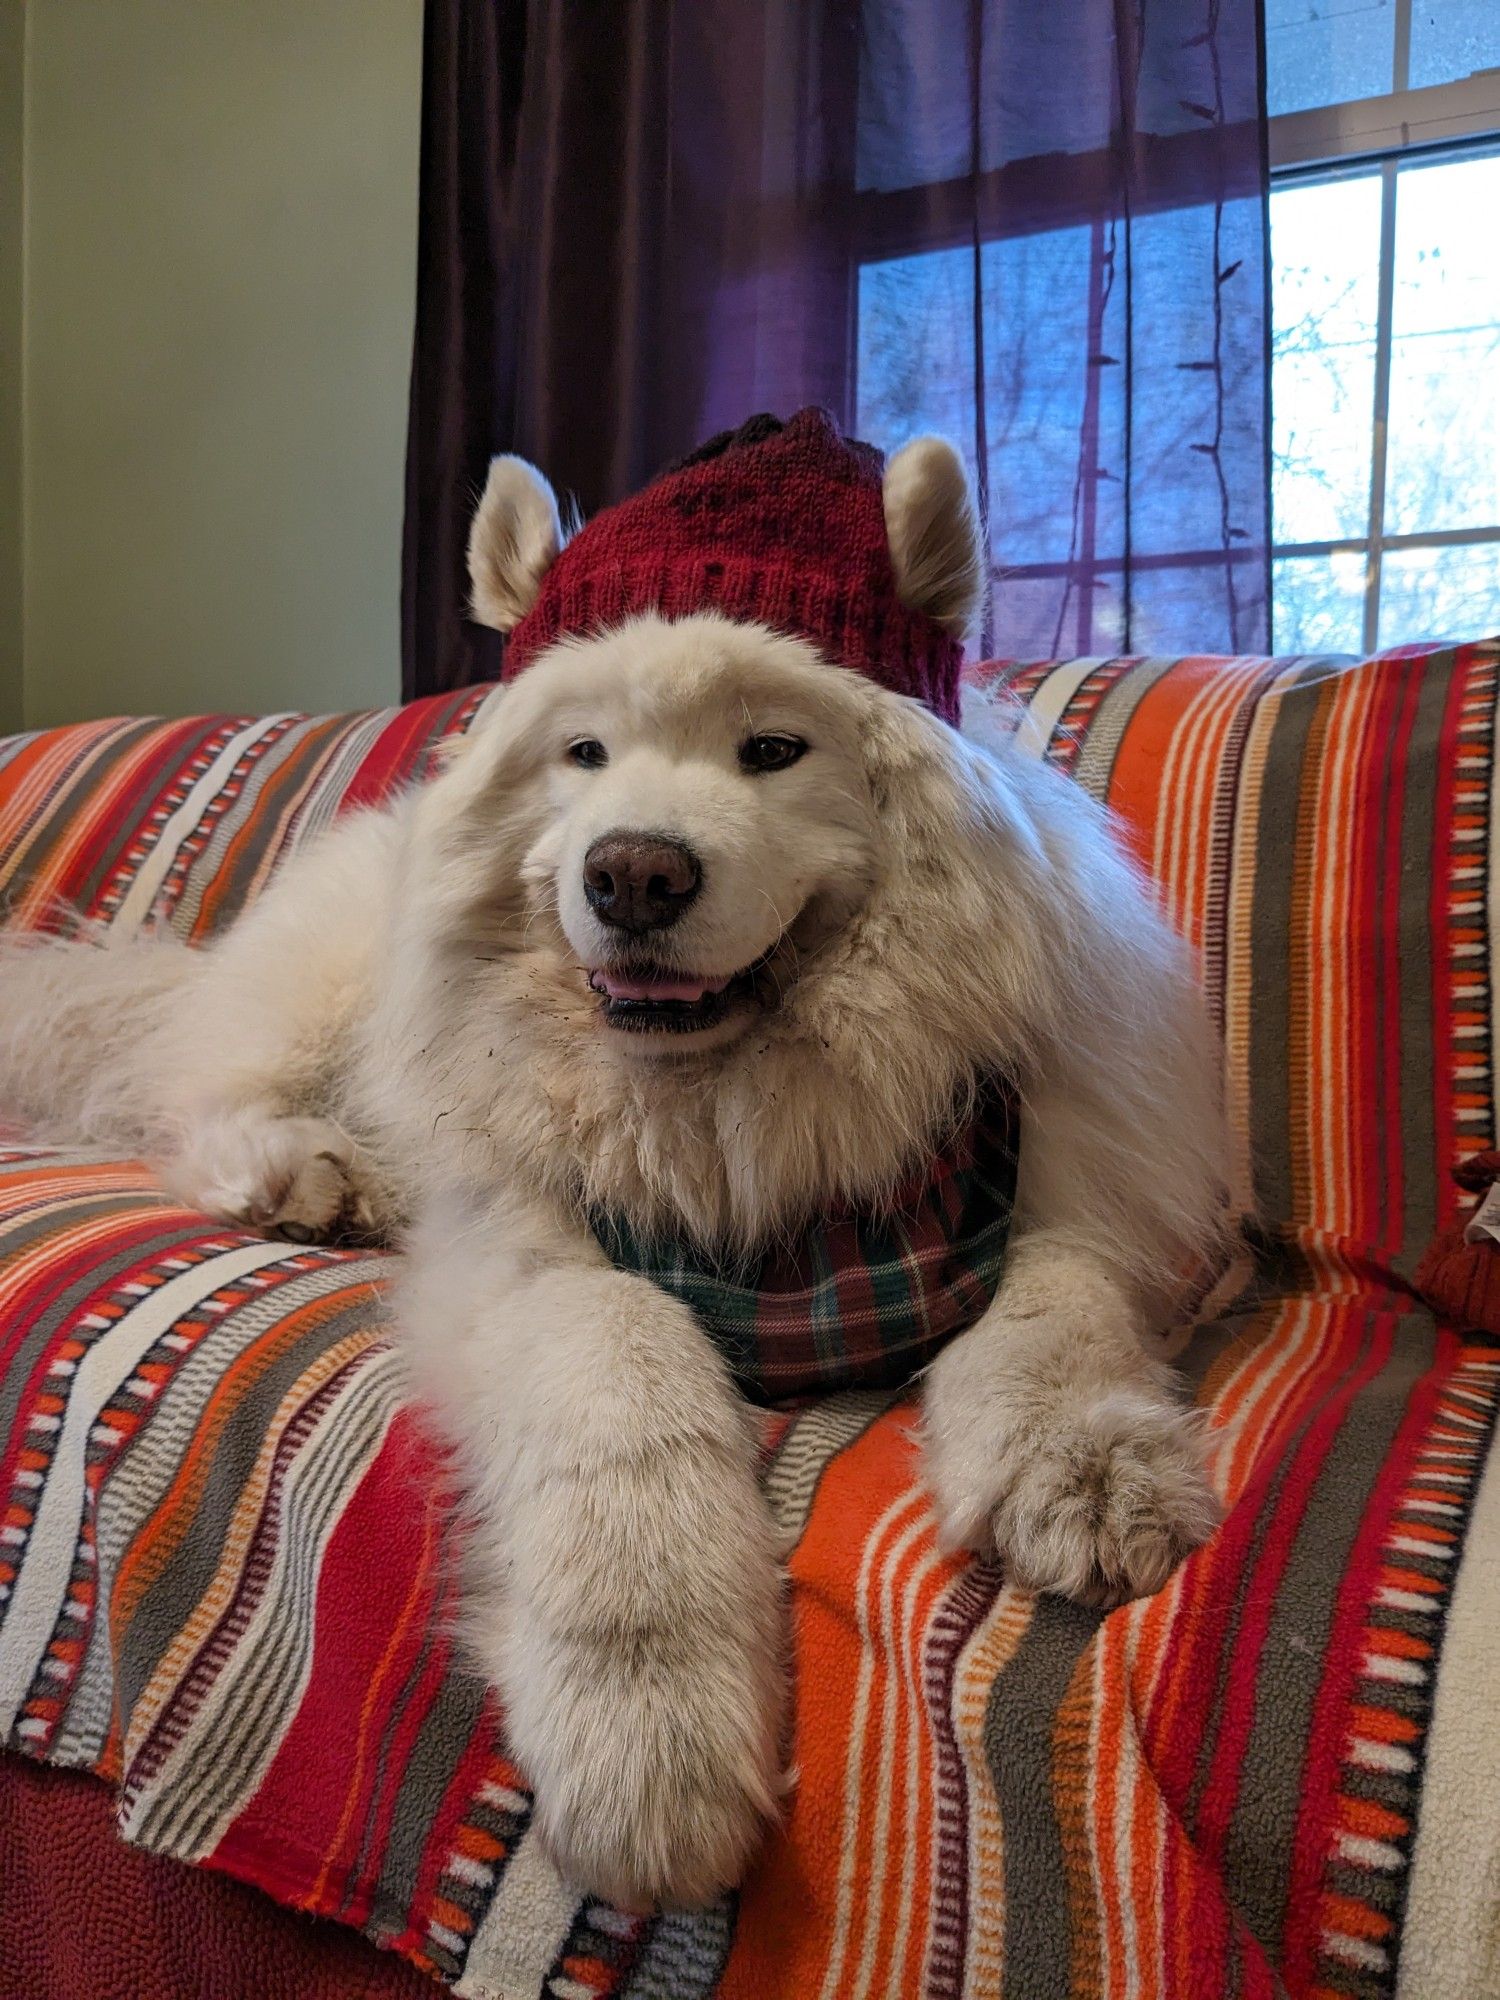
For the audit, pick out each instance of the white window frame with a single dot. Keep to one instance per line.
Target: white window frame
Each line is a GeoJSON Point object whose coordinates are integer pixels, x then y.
{"type": "Point", "coordinates": [1448, 120]}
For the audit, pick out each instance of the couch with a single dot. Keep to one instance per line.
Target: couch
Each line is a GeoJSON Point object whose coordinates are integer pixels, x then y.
{"type": "Point", "coordinates": [226, 1542]}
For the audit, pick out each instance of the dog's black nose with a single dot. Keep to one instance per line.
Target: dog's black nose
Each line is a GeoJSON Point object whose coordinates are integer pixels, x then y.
{"type": "Point", "coordinates": [639, 881]}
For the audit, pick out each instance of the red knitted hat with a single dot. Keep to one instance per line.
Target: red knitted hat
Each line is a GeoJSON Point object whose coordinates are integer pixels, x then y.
{"type": "Point", "coordinates": [783, 524]}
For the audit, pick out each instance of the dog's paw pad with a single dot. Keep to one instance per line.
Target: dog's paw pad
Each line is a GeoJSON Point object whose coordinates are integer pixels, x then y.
{"type": "Point", "coordinates": [1107, 1505]}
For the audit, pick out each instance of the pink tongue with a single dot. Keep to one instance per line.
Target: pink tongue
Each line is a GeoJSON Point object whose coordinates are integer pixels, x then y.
{"type": "Point", "coordinates": [657, 989]}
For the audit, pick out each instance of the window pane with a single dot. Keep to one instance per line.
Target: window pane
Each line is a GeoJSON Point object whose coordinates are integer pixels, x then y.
{"type": "Point", "coordinates": [916, 348]}
{"type": "Point", "coordinates": [1036, 396]}
{"type": "Point", "coordinates": [1318, 603]}
{"type": "Point", "coordinates": [1444, 450]}
{"type": "Point", "coordinates": [1452, 38]}
{"type": "Point", "coordinates": [1327, 51]}
{"type": "Point", "coordinates": [1325, 255]}
{"type": "Point", "coordinates": [1060, 616]}
{"type": "Point", "coordinates": [1447, 593]}
{"type": "Point", "coordinates": [916, 373]}
{"type": "Point", "coordinates": [1182, 384]}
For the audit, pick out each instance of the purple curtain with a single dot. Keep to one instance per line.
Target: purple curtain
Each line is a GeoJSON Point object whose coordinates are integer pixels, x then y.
{"type": "Point", "coordinates": [1038, 226]}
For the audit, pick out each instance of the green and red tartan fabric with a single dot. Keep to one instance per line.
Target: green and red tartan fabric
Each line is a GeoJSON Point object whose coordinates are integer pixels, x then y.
{"type": "Point", "coordinates": [857, 1300]}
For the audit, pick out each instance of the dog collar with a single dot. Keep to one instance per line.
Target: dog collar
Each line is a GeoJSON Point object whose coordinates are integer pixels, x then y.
{"type": "Point", "coordinates": [862, 1299]}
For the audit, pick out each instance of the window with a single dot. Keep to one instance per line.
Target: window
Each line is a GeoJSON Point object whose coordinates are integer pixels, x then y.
{"type": "Point", "coordinates": [1006, 323]}
{"type": "Point", "coordinates": [1385, 148]}
{"type": "Point", "coordinates": [1385, 300]}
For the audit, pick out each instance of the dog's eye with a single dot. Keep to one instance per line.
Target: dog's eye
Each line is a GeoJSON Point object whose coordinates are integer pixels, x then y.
{"type": "Point", "coordinates": [770, 753]}
{"type": "Point", "coordinates": [589, 752]}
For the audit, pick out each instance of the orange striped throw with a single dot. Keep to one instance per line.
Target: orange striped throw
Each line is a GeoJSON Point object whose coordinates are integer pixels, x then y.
{"type": "Point", "coordinates": [224, 1553]}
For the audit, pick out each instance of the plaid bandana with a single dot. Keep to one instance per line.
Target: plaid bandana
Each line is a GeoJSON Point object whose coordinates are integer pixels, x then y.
{"type": "Point", "coordinates": [858, 1300]}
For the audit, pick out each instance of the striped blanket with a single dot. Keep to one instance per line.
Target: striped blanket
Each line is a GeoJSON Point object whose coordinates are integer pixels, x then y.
{"type": "Point", "coordinates": [225, 1570]}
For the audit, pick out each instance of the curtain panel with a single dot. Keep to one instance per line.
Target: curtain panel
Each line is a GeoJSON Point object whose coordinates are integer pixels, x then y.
{"type": "Point", "coordinates": [1040, 230]}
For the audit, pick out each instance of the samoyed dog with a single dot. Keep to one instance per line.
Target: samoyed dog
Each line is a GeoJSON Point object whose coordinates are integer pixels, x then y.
{"type": "Point", "coordinates": [698, 927]}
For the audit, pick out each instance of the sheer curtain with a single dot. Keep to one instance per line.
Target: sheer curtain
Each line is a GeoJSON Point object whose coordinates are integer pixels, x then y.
{"type": "Point", "coordinates": [1038, 228]}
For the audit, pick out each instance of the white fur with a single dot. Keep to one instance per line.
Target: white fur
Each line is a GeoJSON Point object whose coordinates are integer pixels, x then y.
{"type": "Point", "coordinates": [623, 1585]}
{"type": "Point", "coordinates": [410, 998]}
{"type": "Point", "coordinates": [513, 539]}
{"type": "Point", "coordinates": [932, 525]}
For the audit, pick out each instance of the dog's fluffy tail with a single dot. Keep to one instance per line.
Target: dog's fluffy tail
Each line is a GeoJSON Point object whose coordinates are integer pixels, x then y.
{"type": "Point", "coordinates": [84, 1034]}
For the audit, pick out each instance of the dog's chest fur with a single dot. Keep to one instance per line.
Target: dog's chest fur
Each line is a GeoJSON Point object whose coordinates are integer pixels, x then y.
{"type": "Point", "coordinates": [516, 1082]}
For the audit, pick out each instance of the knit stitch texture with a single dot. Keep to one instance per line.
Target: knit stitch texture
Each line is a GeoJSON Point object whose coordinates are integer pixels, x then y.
{"type": "Point", "coordinates": [779, 524]}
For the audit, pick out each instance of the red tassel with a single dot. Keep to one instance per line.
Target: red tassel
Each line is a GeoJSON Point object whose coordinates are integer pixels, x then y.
{"type": "Point", "coordinates": [1459, 1280]}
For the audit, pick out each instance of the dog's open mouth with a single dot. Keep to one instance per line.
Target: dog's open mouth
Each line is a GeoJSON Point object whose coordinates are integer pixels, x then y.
{"type": "Point", "coordinates": [648, 1000]}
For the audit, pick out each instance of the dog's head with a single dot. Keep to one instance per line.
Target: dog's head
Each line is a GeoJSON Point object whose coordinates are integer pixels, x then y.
{"type": "Point", "coordinates": [705, 928]}
{"type": "Point", "coordinates": [701, 805]}
{"type": "Point", "coordinates": [702, 819]}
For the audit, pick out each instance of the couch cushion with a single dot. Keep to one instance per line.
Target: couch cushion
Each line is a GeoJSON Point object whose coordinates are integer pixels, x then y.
{"type": "Point", "coordinates": [132, 821]}
{"type": "Point", "coordinates": [225, 1558]}
{"type": "Point", "coordinates": [226, 1582]}
{"type": "Point", "coordinates": [1323, 834]}
{"type": "Point", "coordinates": [85, 1916]}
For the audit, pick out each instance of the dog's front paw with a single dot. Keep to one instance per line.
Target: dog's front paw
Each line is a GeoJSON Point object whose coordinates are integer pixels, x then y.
{"type": "Point", "coordinates": [1098, 1503]}
{"type": "Point", "coordinates": [655, 1774]}
{"type": "Point", "coordinates": [299, 1178]}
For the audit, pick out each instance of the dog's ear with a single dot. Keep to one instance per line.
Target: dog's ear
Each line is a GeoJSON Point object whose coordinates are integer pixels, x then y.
{"type": "Point", "coordinates": [933, 527]}
{"type": "Point", "coordinates": [513, 542]}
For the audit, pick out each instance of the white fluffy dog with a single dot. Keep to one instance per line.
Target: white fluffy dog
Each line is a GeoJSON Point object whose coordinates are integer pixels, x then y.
{"type": "Point", "coordinates": [700, 929]}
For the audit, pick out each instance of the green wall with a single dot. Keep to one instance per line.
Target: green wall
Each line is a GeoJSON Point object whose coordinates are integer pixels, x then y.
{"type": "Point", "coordinates": [221, 243]}
{"type": "Point", "coordinates": [12, 27]}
